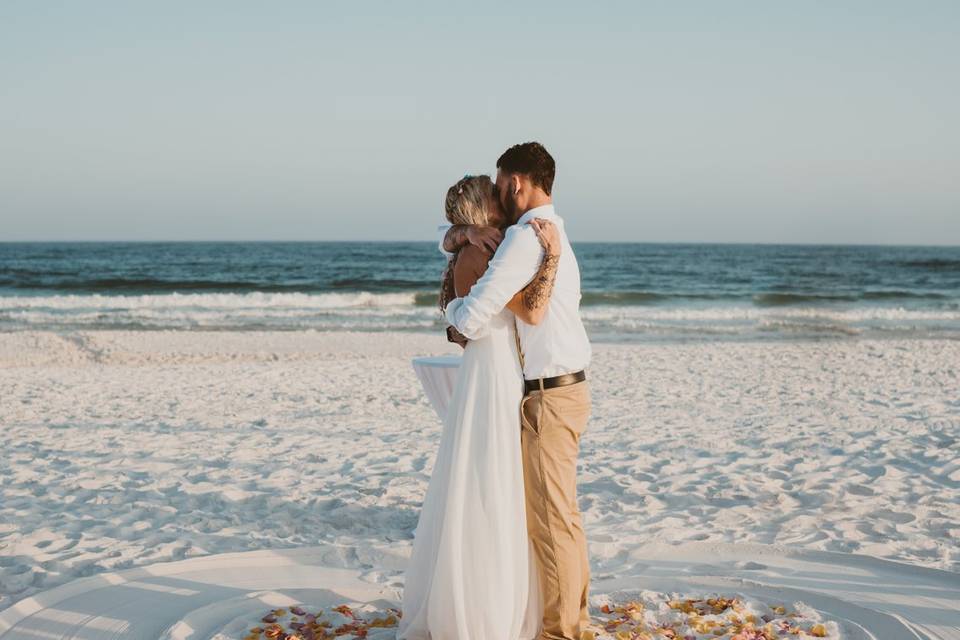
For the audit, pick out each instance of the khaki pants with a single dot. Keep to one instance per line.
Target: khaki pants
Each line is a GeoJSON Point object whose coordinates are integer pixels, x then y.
{"type": "Point", "coordinates": [552, 421]}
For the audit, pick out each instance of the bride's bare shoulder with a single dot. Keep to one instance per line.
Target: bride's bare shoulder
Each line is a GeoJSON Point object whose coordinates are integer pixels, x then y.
{"type": "Point", "coordinates": [470, 265]}
{"type": "Point", "coordinates": [473, 255]}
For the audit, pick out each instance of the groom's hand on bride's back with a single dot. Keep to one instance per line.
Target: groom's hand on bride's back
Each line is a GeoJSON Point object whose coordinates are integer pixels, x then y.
{"type": "Point", "coordinates": [484, 238]}
{"type": "Point", "coordinates": [455, 336]}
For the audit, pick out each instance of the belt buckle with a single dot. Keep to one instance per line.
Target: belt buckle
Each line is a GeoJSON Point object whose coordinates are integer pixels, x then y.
{"type": "Point", "coordinates": [529, 386]}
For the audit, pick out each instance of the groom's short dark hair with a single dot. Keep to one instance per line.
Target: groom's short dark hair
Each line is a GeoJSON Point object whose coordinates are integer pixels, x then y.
{"type": "Point", "coordinates": [530, 159]}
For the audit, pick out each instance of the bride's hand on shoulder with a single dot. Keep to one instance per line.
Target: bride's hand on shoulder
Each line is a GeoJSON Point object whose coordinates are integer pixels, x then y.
{"type": "Point", "coordinates": [485, 238]}
{"type": "Point", "coordinates": [547, 234]}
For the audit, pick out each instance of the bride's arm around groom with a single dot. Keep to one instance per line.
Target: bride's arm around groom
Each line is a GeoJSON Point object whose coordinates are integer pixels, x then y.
{"type": "Point", "coordinates": [512, 267]}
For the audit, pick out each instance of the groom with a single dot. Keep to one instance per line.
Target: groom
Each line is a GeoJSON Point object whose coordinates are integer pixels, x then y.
{"type": "Point", "coordinates": [554, 354]}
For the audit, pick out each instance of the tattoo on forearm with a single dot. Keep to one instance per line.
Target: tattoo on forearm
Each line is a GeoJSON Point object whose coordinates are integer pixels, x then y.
{"type": "Point", "coordinates": [537, 293]}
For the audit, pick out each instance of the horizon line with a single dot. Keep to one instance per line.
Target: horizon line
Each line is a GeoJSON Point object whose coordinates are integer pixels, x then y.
{"type": "Point", "coordinates": [573, 242]}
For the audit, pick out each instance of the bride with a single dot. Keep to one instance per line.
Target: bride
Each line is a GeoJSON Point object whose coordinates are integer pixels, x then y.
{"type": "Point", "coordinates": [472, 574]}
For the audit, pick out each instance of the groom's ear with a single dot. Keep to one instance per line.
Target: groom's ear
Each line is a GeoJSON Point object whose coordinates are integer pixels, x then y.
{"type": "Point", "coordinates": [515, 183]}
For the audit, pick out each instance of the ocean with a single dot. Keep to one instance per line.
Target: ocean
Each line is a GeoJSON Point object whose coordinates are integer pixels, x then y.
{"type": "Point", "coordinates": [631, 292]}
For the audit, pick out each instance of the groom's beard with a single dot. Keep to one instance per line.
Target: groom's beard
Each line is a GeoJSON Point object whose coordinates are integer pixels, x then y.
{"type": "Point", "coordinates": [513, 211]}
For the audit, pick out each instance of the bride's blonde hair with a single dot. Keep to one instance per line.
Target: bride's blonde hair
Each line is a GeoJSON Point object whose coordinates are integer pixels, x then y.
{"type": "Point", "coordinates": [467, 202]}
{"type": "Point", "coordinates": [468, 199]}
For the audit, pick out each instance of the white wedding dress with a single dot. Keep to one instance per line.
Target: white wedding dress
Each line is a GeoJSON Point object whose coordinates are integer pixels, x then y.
{"type": "Point", "coordinates": [472, 574]}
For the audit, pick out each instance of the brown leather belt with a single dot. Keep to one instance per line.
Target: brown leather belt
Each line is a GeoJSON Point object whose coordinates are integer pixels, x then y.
{"type": "Point", "coordinates": [555, 381]}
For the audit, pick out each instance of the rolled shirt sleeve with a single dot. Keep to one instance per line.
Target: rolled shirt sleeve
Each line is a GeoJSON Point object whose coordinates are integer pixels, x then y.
{"type": "Point", "coordinates": [442, 231]}
{"type": "Point", "coordinates": [512, 267]}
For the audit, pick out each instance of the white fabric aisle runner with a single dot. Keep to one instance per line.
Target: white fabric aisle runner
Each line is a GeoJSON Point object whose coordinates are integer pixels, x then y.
{"type": "Point", "coordinates": [194, 598]}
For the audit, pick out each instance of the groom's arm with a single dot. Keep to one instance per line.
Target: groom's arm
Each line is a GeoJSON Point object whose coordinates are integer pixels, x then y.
{"type": "Point", "coordinates": [443, 229]}
{"type": "Point", "coordinates": [511, 268]}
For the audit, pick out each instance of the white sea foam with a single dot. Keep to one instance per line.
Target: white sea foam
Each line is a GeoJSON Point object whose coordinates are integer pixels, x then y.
{"type": "Point", "coordinates": [741, 313]}
{"type": "Point", "coordinates": [253, 300]}
{"type": "Point", "coordinates": [384, 311]}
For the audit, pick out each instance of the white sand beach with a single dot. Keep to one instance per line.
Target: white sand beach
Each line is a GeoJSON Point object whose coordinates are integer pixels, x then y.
{"type": "Point", "coordinates": [822, 472]}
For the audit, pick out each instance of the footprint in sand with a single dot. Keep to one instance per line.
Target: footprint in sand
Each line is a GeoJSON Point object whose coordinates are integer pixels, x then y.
{"type": "Point", "coordinates": [893, 516]}
{"type": "Point", "coordinates": [860, 490]}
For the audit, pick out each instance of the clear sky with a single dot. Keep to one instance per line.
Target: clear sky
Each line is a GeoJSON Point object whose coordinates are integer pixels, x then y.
{"type": "Point", "coordinates": [835, 122]}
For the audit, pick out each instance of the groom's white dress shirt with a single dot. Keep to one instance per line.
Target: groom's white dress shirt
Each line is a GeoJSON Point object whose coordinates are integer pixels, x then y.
{"type": "Point", "coordinates": [559, 343]}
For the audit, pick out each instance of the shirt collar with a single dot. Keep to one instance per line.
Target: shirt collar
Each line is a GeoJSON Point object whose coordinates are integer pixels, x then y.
{"type": "Point", "coordinates": [543, 211]}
